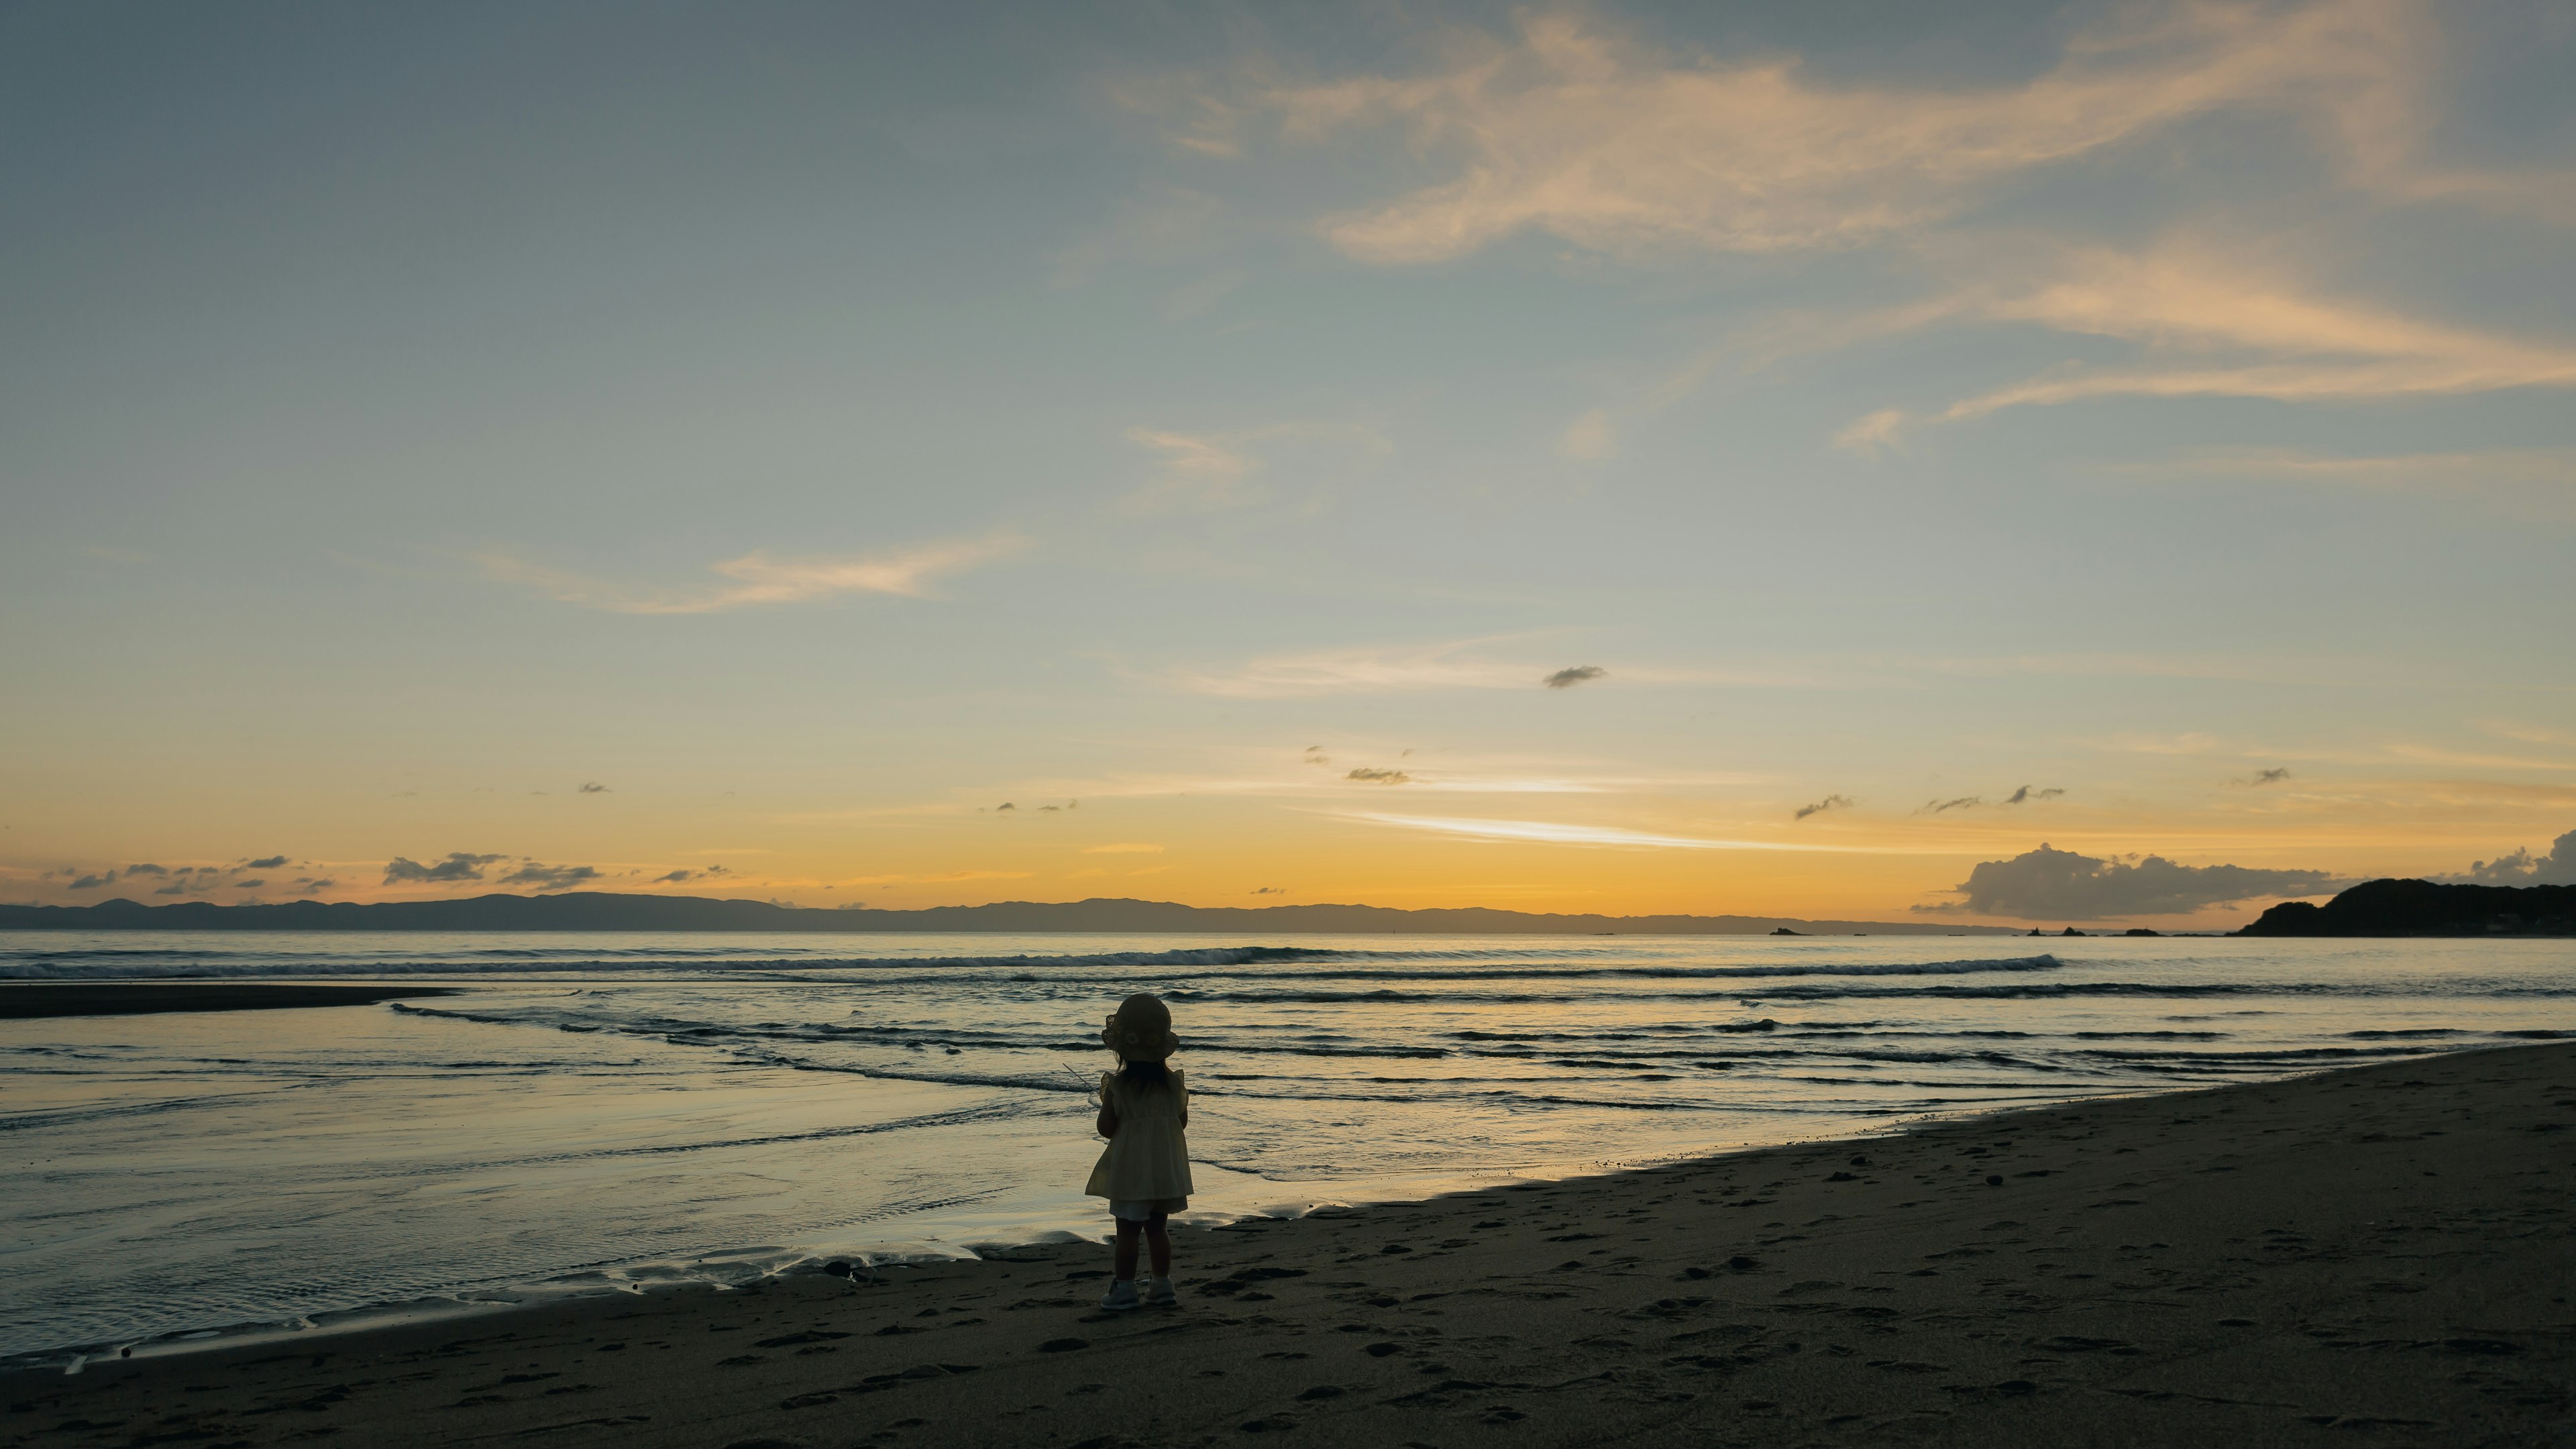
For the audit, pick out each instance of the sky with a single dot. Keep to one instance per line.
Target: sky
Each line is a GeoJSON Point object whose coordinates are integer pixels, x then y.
{"type": "Point", "coordinates": [2013, 463]}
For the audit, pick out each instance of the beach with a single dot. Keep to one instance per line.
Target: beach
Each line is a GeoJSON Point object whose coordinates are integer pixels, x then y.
{"type": "Point", "coordinates": [2381, 1254]}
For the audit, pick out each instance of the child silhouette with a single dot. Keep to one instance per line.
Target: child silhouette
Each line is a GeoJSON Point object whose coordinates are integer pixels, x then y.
{"type": "Point", "coordinates": [1145, 1170]}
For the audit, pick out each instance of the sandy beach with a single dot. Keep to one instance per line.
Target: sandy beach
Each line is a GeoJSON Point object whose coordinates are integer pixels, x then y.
{"type": "Point", "coordinates": [2379, 1255]}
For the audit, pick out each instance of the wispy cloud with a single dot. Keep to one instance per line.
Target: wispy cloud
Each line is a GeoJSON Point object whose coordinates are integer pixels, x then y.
{"type": "Point", "coordinates": [1213, 472]}
{"type": "Point", "coordinates": [1589, 438]}
{"type": "Point", "coordinates": [759, 579]}
{"type": "Point", "coordinates": [1830, 802]}
{"type": "Point", "coordinates": [1363, 670]}
{"type": "Point", "coordinates": [2212, 322]}
{"type": "Point", "coordinates": [1571, 129]}
{"type": "Point", "coordinates": [1459, 664]}
{"type": "Point", "coordinates": [1195, 472]}
{"type": "Point", "coordinates": [1547, 832]}
{"type": "Point", "coordinates": [1368, 776]}
{"type": "Point", "coordinates": [939, 878]}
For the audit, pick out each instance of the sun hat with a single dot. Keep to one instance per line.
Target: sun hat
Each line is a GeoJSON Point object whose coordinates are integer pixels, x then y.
{"type": "Point", "coordinates": [1142, 1029]}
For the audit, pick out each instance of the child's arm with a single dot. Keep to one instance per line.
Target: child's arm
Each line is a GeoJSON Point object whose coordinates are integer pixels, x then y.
{"type": "Point", "coordinates": [1107, 1122]}
{"type": "Point", "coordinates": [1181, 1089]}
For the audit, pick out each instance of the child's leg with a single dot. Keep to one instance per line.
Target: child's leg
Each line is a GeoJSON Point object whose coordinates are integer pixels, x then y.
{"type": "Point", "coordinates": [1124, 1260]}
{"type": "Point", "coordinates": [1158, 1239]}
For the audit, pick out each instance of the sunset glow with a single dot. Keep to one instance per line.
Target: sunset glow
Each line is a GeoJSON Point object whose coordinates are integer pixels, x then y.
{"type": "Point", "coordinates": [1838, 462]}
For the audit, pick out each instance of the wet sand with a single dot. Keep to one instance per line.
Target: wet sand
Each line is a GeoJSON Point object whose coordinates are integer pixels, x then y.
{"type": "Point", "coordinates": [2378, 1256]}
{"type": "Point", "coordinates": [21, 1000]}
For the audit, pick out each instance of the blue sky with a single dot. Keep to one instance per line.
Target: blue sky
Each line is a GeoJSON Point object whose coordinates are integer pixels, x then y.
{"type": "Point", "coordinates": [821, 427]}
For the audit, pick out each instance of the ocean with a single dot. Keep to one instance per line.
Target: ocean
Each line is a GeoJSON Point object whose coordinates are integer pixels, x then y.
{"type": "Point", "coordinates": [608, 1112]}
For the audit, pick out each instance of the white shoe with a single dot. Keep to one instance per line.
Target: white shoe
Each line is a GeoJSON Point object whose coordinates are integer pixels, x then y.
{"type": "Point", "coordinates": [1159, 1293]}
{"type": "Point", "coordinates": [1122, 1296]}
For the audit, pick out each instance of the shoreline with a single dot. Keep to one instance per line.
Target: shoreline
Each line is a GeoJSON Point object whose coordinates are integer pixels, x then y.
{"type": "Point", "coordinates": [33, 1000]}
{"type": "Point", "coordinates": [2385, 1250]}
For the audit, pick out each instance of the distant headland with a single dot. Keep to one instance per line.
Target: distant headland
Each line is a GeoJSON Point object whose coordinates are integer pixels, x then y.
{"type": "Point", "coordinates": [607, 911]}
{"type": "Point", "coordinates": [2423, 908]}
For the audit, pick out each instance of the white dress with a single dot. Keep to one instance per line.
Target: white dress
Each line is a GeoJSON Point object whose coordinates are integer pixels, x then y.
{"type": "Point", "coordinates": [1145, 1169]}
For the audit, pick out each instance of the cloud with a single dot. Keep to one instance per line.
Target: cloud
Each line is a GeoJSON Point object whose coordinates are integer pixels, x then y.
{"type": "Point", "coordinates": [1197, 472]}
{"type": "Point", "coordinates": [1210, 472]}
{"type": "Point", "coordinates": [265, 862]}
{"type": "Point", "coordinates": [175, 888]}
{"type": "Point", "coordinates": [1613, 145]}
{"type": "Point", "coordinates": [1543, 832]}
{"type": "Point", "coordinates": [2213, 323]}
{"type": "Point", "coordinates": [1570, 677]}
{"type": "Point", "coordinates": [760, 579]}
{"type": "Point", "coordinates": [1005, 805]}
{"type": "Point", "coordinates": [1830, 802]}
{"type": "Point", "coordinates": [1872, 433]}
{"type": "Point", "coordinates": [92, 882]}
{"type": "Point", "coordinates": [146, 869]}
{"type": "Point", "coordinates": [1356, 671]}
{"type": "Point", "coordinates": [1589, 438]}
{"type": "Point", "coordinates": [1315, 755]}
{"type": "Point", "coordinates": [2522, 868]}
{"type": "Point", "coordinates": [592, 787]}
{"type": "Point", "coordinates": [550, 877]}
{"type": "Point", "coordinates": [703, 873]}
{"type": "Point", "coordinates": [1123, 848]}
{"type": "Point", "coordinates": [248, 885]}
{"type": "Point", "coordinates": [2272, 775]}
{"type": "Point", "coordinates": [1380, 777]}
{"type": "Point", "coordinates": [2021, 796]}
{"type": "Point", "coordinates": [314, 885]}
{"type": "Point", "coordinates": [458, 866]}
{"type": "Point", "coordinates": [1269, 891]}
{"type": "Point", "coordinates": [944, 878]}
{"type": "Point", "coordinates": [2059, 885]}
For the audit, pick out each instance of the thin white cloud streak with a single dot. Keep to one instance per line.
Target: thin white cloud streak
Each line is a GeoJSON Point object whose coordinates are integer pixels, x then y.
{"type": "Point", "coordinates": [942, 878]}
{"type": "Point", "coordinates": [1196, 472]}
{"type": "Point", "coordinates": [1208, 472]}
{"type": "Point", "coordinates": [1544, 832]}
{"type": "Point", "coordinates": [760, 579]}
{"type": "Point", "coordinates": [2211, 323]}
{"type": "Point", "coordinates": [1568, 129]}
{"type": "Point", "coordinates": [1459, 664]}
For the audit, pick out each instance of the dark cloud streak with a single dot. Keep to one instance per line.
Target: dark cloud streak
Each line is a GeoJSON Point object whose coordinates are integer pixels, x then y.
{"type": "Point", "coordinates": [459, 866]}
